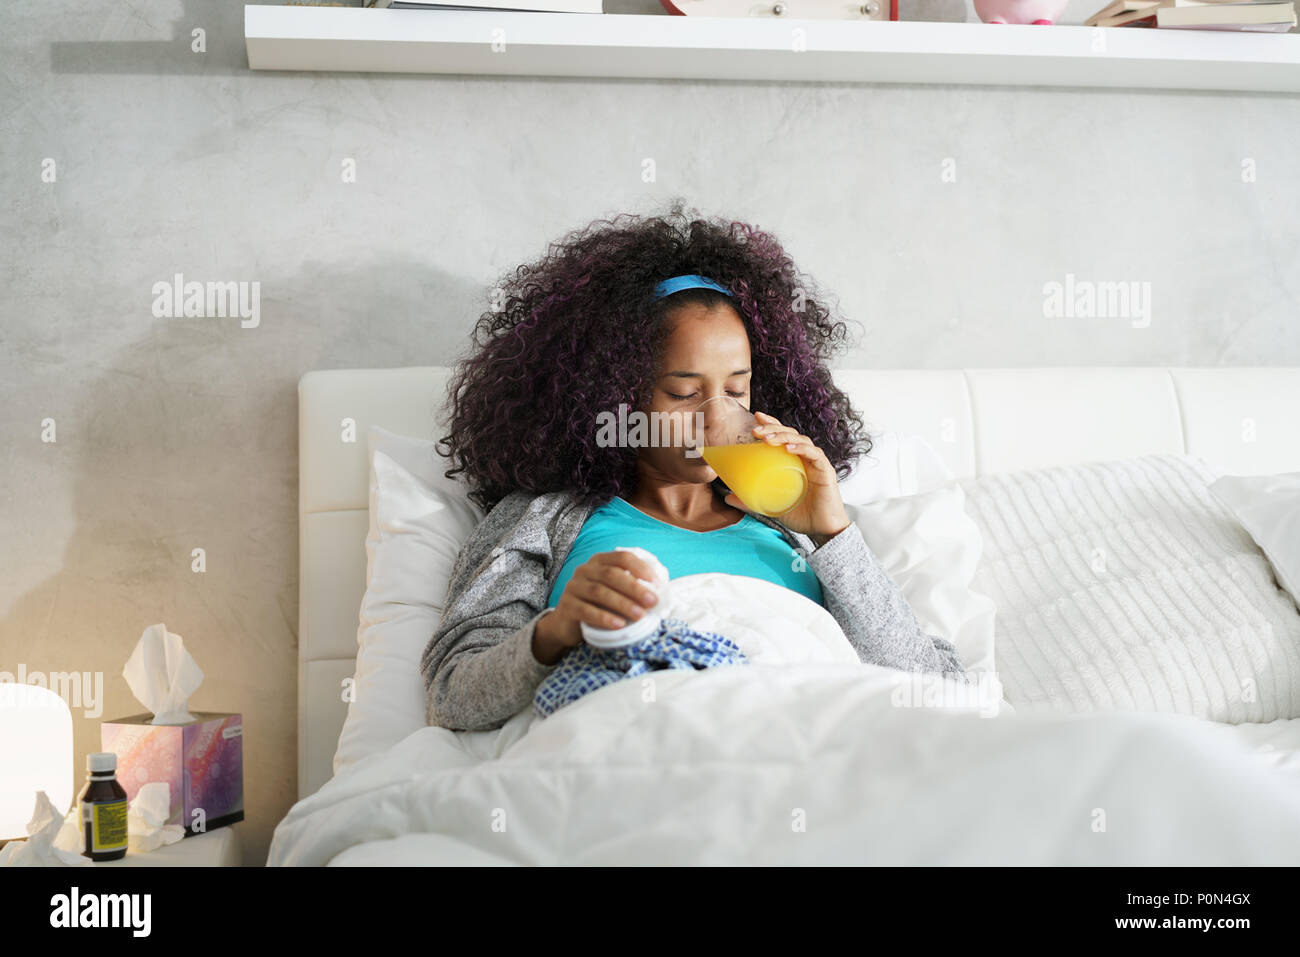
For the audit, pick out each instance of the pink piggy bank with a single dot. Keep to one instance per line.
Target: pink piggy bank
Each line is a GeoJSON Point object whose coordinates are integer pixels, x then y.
{"type": "Point", "coordinates": [1019, 11]}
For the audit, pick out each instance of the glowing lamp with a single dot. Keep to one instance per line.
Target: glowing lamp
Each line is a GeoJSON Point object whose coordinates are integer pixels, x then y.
{"type": "Point", "coordinates": [35, 754]}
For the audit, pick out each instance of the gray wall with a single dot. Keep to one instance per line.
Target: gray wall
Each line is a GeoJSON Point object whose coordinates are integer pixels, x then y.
{"type": "Point", "coordinates": [174, 434]}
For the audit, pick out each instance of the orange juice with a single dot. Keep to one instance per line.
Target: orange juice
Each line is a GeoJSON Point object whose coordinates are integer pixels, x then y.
{"type": "Point", "coordinates": [767, 478]}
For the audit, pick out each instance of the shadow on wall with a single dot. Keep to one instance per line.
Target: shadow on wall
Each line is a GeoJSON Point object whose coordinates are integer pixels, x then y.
{"type": "Point", "coordinates": [187, 439]}
{"type": "Point", "coordinates": [172, 53]}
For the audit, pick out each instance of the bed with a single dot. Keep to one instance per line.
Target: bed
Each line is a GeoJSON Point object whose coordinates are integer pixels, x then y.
{"type": "Point", "coordinates": [454, 801]}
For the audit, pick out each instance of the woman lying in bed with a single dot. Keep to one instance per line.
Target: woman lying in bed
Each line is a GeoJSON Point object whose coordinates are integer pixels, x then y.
{"type": "Point", "coordinates": [632, 313]}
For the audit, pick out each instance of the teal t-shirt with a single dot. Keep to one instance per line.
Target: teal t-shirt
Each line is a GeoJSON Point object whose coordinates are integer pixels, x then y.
{"type": "Point", "coordinates": [746, 548]}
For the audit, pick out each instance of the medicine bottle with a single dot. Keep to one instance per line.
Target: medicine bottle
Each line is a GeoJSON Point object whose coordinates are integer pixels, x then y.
{"type": "Point", "coordinates": [101, 809]}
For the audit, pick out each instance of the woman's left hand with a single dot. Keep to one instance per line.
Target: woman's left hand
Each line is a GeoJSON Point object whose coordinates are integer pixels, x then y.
{"type": "Point", "coordinates": [820, 513]}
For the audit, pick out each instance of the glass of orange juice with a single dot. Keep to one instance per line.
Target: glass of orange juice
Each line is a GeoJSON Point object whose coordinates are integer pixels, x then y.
{"type": "Point", "coordinates": [767, 478]}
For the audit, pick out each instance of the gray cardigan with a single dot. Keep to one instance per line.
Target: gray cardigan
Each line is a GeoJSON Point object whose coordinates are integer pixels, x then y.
{"type": "Point", "coordinates": [479, 669]}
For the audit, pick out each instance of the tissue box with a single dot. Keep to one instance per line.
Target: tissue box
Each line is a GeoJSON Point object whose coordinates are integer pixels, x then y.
{"type": "Point", "coordinates": [202, 761]}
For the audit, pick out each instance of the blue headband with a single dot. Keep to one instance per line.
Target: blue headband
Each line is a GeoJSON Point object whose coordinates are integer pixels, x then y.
{"type": "Point", "coordinates": [678, 283]}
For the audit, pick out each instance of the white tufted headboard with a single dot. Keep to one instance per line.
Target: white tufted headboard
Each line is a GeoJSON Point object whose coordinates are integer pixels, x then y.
{"type": "Point", "coordinates": [1241, 421]}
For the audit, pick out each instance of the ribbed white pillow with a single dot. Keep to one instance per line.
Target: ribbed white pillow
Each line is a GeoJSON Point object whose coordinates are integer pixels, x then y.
{"type": "Point", "coordinates": [1127, 586]}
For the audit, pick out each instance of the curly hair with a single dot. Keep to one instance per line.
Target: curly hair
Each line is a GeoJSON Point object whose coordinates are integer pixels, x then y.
{"type": "Point", "coordinates": [579, 331]}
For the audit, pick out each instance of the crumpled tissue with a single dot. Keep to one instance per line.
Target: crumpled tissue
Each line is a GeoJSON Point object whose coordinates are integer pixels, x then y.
{"type": "Point", "coordinates": [53, 841]}
{"type": "Point", "coordinates": [146, 827]}
{"type": "Point", "coordinates": [162, 675]}
{"type": "Point", "coordinates": [58, 843]}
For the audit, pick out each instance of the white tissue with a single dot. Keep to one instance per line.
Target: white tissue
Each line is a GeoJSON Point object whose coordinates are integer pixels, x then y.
{"type": "Point", "coordinates": [145, 819]}
{"type": "Point", "coordinates": [162, 675]}
{"type": "Point", "coordinates": [641, 628]}
{"type": "Point", "coordinates": [660, 572]}
{"type": "Point", "coordinates": [48, 840]}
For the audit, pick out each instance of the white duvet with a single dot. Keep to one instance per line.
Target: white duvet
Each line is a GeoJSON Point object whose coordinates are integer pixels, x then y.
{"type": "Point", "coordinates": [802, 756]}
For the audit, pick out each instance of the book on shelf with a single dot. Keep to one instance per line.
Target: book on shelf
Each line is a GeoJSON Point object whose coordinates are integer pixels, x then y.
{"type": "Point", "coordinates": [1138, 13]}
{"type": "Point", "coordinates": [1268, 16]}
{"type": "Point", "coordinates": [1148, 13]}
{"type": "Point", "coordinates": [1130, 18]}
{"type": "Point", "coordinates": [513, 6]}
{"type": "Point", "coordinates": [1118, 9]}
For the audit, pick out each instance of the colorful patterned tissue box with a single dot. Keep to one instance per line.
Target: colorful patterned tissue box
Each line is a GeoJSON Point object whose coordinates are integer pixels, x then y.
{"type": "Point", "coordinates": [202, 761]}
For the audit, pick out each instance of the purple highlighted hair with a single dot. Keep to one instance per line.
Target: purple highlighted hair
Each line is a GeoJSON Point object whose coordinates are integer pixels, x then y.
{"type": "Point", "coordinates": [580, 331]}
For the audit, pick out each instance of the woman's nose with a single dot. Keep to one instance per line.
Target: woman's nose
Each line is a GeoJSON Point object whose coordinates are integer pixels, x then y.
{"type": "Point", "coordinates": [713, 414]}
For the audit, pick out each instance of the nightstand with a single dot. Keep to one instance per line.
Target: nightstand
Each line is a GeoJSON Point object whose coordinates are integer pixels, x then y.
{"type": "Point", "coordinates": [216, 848]}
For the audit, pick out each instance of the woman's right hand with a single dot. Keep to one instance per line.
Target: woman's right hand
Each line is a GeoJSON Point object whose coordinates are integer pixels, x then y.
{"type": "Point", "coordinates": [606, 591]}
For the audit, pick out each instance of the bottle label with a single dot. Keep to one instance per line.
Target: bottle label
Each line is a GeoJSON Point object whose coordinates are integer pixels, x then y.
{"type": "Point", "coordinates": [107, 825]}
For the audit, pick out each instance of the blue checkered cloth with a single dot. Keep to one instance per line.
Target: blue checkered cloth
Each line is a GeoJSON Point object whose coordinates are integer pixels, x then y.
{"type": "Point", "coordinates": [674, 644]}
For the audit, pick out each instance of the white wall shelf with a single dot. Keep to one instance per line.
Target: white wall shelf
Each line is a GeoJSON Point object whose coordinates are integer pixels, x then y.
{"type": "Point", "coordinates": [668, 47]}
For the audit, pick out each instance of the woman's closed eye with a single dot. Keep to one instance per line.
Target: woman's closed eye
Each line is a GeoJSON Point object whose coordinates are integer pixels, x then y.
{"type": "Point", "coordinates": [674, 395]}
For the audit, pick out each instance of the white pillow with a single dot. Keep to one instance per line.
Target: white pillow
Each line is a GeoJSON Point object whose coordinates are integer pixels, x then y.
{"type": "Point", "coordinates": [419, 521]}
{"type": "Point", "coordinates": [1268, 507]}
{"type": "Point", "coordinates": [905, 500]}
{"type": "Point", "coordinates": [898, 464]}
{"type": "Point", "coordinates": [931, 549]}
